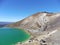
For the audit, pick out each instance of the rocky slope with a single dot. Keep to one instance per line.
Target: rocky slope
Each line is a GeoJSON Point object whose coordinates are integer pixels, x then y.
{"type": "Point", "coordinates": [41, 24]}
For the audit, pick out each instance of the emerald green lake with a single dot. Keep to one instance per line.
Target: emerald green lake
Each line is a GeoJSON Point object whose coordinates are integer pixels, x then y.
{"type": "Point", "coordinates": [10, 36]}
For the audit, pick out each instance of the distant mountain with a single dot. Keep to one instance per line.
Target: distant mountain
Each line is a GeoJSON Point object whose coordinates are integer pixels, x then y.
{"type": "Point", "coordinates": [2, 24]}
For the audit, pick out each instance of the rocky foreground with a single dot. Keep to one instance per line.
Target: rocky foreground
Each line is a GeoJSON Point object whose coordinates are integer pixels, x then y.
{"type": "Point", "coordinates": [44, 28]}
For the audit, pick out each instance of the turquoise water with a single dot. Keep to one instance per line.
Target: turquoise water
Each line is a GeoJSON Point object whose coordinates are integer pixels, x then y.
{"type": "Point", "coordinates": [9, 36]}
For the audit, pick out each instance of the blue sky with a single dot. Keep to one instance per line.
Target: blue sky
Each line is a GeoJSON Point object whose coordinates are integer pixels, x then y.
{"type": "Point", "coordinates": [15, 10]}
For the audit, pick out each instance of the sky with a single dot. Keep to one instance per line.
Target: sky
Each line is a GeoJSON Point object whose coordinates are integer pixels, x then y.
{"type": "Point", "coordinates": [15, 10]}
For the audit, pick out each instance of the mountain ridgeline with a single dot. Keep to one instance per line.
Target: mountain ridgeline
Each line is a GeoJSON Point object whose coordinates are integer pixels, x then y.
{"type": "Point", "coordinates": [37, 23]}
{"type": "Point", "coordinates": [44, 28]}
